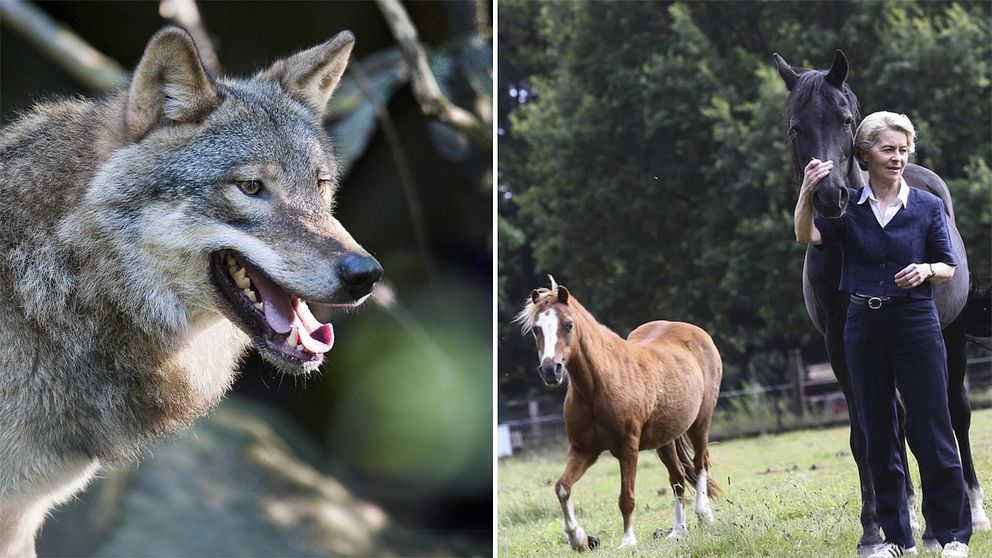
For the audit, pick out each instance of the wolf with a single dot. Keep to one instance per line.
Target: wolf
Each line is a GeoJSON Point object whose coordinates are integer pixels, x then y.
{"type": "Point", "coordinates": [147, 239]}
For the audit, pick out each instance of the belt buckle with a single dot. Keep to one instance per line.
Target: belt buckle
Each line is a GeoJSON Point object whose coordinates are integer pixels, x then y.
{"type": "Point", "coordinates": [874, 303]}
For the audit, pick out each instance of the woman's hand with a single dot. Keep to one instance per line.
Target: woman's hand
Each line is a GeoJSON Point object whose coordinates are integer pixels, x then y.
{"type": "Point", "coordinates": [912, 275]}
{"type": "Point", "coordinates": [814, 172]}
{"type": "Point", "coordinates": [806, 231]}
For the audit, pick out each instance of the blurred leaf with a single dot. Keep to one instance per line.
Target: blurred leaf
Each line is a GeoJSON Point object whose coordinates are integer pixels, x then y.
{"type": "Point", "coordinates": [353, 134]}
{"type": "Point", "coordinates": [451, 144]}
{"type": "Point", "coordinates": [387, 72]}
{"type": "Point", "coordinates": [355, 116]}
{"type": "Point", "coordinates": [475, 60]}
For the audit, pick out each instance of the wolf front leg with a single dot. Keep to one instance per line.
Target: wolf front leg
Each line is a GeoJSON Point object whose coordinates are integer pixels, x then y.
{"type": "Point", "coordinates": [18, 528]}
{"type": "Point", "coordinates": [576, 465]}
{"type": "Point", "coordinates": [23, 511]}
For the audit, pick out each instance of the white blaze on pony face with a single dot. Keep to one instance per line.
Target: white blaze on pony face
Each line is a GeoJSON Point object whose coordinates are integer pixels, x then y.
{"type": "Point", "coordinates": [553, 331]}
{"type": "Point", "coordinates": [547, 324]}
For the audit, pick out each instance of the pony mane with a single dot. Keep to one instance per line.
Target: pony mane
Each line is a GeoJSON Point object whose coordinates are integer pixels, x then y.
{"type": "Point", "coordinates": [809, 85]}
{"type": "Point", "coordinates": [528, 315]}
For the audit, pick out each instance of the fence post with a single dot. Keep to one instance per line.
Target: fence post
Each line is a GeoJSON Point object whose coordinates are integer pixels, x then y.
{"type": "Point", "coordinates": [532, 412]}
{"type": "Point", "coordinates": [797, 377]}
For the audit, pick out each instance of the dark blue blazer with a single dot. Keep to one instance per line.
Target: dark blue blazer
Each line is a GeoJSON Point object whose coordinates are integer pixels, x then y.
{"type": "Point", "coordinates": [873, 255]}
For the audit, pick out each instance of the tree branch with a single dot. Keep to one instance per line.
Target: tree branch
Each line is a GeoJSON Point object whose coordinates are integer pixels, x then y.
{"type": "Point", "coordinates": [402, 166]}
{"type": "Point", "coordinates": [93, 69]}
{"type": "Point", "coordinates": [432, 101]}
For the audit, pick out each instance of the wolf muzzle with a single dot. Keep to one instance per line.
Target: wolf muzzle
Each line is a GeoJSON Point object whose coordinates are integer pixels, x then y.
{"type": "Point", "coordinates": [359, 274]}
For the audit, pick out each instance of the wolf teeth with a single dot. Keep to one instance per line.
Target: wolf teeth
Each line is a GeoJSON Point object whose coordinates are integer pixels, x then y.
{"type": "Point", "coordinates": [242, 282]}
{"type": "Point", "coordinates": [230, 261]}
{"type": "Point", "coordinates": [293, 338]}
{"type": "Point", "coordinates": [251, 295]}
{"type": "Point", "coordinates": [260, 307]}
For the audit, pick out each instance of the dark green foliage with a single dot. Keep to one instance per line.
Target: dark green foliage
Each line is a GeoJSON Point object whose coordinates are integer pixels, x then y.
{"type": "Point", "coordinates": [648, 169]}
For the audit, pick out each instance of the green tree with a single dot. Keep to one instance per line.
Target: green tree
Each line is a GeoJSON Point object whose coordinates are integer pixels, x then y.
{"type": "Point", "coordinates": [649, 169]}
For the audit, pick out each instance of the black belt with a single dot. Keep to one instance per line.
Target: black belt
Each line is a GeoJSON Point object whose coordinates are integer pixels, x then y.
{"type": "Point", "coordinates": [879, 302]}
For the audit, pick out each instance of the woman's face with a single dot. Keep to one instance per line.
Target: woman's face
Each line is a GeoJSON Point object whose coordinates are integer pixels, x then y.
{"type": "Point", "coordinates": [888, 156]}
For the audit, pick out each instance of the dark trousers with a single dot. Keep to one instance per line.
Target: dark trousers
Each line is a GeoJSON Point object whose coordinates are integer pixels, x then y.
{"type": "Point", "coordinates": [901, 345]}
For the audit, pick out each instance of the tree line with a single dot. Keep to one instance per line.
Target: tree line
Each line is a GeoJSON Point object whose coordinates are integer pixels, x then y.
{"type": "Point", "coordinates": [643, 158]}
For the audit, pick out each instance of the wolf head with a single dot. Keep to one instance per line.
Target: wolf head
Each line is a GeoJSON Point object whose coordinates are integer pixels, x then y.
{"type": "Point", "coordinates": [219, 201]}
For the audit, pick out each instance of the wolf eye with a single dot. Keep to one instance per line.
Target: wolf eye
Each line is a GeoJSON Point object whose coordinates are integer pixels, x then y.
{"type": "Point", "coordinates": [250, 187]}
{"type": "Point", "coordinates": [323, 185]}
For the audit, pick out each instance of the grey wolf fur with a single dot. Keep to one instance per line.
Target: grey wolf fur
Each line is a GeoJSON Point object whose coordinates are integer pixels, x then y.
{"type": "Point", "coordinates": [126, 223]}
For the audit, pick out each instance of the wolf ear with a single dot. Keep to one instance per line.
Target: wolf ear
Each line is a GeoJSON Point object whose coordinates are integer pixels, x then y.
{"type": "Point", "coordinates": [789, 76]}
{"type": "Point", "coordinates": [312, 75]}
{"type": "Point", "coordinates": [169, 85]}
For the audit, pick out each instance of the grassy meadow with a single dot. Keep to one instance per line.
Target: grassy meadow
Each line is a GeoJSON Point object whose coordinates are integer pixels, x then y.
{"type": "Point", "coordinates": [789, 495]}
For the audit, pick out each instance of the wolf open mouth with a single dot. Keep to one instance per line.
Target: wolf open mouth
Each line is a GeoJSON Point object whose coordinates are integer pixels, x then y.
{"type": "Point", "coordinates": [285, 330]}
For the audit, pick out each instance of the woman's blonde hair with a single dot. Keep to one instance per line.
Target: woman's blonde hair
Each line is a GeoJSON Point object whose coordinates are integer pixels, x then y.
{"type": "Point", "coordinates": [874, 124]}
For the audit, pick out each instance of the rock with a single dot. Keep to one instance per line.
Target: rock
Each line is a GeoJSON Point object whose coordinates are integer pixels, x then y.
{"type": "Point", "coordinates": [239, 483]}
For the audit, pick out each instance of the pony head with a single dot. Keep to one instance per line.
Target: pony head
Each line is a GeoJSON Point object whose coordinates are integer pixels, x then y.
{"type": "Point", "coordinates": [822, 115]}
{"type": "Point", "coordinates": [548, 317]}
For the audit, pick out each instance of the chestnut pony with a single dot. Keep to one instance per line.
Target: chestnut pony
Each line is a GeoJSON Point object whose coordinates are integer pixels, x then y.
{"type": "Point", "coordinates": [654, 390]}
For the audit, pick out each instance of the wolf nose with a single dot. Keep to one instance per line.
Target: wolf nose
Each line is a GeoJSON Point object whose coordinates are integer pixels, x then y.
{"type": "Point", "coordinates": [359, 274]}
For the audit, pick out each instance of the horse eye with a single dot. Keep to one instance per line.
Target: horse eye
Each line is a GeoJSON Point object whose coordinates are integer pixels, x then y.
{"type": "Point", "coordinates": [795, 130]}
{"type": "Point", "coordinates": [322, 186]}
{"type": "Point", "coordinates": [849, 121]}
{"type": "Point", "coordinates": [569, 326]}
{"type": "Point", "coordinates": [250, 187]}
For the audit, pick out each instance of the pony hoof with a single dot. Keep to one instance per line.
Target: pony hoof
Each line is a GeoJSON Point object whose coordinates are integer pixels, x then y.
{"type": "Point", "coordinates": [593, 542]}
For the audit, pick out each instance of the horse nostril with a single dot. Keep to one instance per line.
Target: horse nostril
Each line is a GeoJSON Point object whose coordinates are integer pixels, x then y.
{"type": "Point", "coordinates": [359, 274]}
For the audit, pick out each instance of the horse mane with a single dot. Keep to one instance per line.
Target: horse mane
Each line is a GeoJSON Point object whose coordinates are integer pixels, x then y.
{"type": "Point", "coordinates": [808, 86]}
{"type": "Point", "coordinates": [546, 297]}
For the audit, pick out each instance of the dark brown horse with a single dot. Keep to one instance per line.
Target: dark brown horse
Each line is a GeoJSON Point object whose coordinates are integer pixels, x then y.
{"type": "Point", "coordinates": [654, 390]}
{"type": "Point", "coordinates": [822, 115]}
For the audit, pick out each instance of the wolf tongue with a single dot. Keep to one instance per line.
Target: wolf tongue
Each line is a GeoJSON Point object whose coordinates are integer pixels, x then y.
{"type": "Point", "coordinates": [278, 307]}
{"type": "Point", "coordinates": [314, 336]}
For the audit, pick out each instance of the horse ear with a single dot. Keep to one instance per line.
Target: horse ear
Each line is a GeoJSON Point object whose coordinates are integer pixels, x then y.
{"type": "Point", "coordinates": [562, 294]}
{"type": "Point", "coordinates": [534, 295]}
{"type": "Point", "coordinates": [789, 76]}
{"type": "Point", "coordinates": [838, 70]}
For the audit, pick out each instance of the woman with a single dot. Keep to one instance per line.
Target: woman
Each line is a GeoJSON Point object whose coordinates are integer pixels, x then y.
{"type": "Point", "coordinates": [895, 245]}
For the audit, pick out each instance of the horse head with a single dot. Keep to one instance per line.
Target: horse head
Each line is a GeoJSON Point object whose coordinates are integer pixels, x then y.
{"type": "Point", "coordinates": [821, 115]}
{"type": "Point", "coordinates": [549, 318]}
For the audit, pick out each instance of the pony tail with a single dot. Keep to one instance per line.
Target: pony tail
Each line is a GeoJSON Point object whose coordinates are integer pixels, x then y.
{"type": "Point", "coordinates": [682, 447]}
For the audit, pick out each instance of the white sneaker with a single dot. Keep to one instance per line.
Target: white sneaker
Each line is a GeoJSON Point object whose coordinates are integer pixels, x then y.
{"type": "Point", "coordinates": [890, 550]}
{"type": "Point", "coordinates": [955, 549]}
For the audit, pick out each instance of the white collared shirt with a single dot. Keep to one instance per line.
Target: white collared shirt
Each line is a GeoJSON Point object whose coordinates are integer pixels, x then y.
{"type": "Point", "coordinates": [890, 212]}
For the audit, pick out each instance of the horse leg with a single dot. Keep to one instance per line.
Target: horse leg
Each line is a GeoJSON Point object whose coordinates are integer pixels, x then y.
{"type": "Point", "coordinates": [870, 536]}
{"type": "Point", "coordinates": [576, 465]}
{"type": "Point", "coordinates": [960, 408]}
{"type": "Point", "coordinates": [676, 478]}
{"type": "Point", "coordinates": [699, 437]}
{"type": "Point", "coordinates": [628, 473]}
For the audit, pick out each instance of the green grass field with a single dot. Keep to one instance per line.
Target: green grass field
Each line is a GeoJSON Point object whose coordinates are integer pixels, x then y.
{"type": "Point", "coordinates": [789, 495]}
